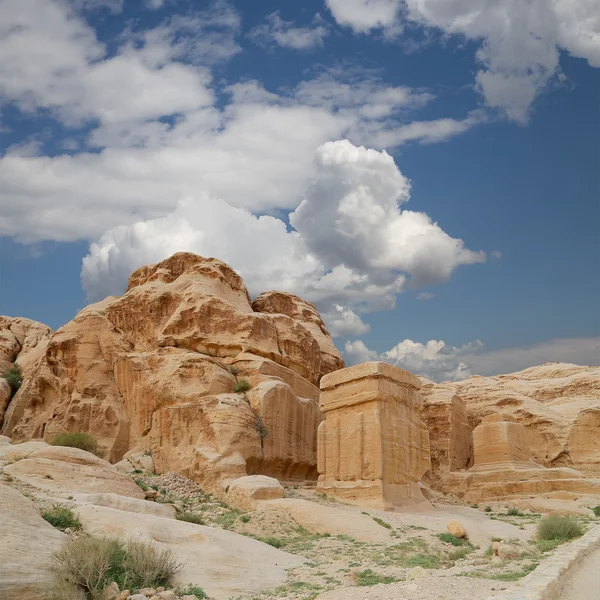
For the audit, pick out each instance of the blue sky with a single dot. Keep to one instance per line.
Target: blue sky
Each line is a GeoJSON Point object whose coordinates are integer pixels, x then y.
{"type": "Point", "coordinates": [454, 232]}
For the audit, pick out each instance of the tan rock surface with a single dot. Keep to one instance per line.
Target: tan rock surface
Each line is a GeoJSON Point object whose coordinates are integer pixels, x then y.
{"type": "Point", "coordinates": [62, 470]}
{"type": "Point", "coordinates": [153, 371]}
{"type": "Point", "coordinates": [373, 447]}
{"type": "Point", "coordinates": [224, 563]}
{"type": "Point", "coordinates": [244, 492]}
{"type": "Point", "coordinates": [28, 543]}
{"type": "Point", "coordinates": [557, 403]}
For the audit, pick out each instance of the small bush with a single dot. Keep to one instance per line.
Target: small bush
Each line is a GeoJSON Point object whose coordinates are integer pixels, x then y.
{"type": "Point", "coordinates": [83, 441]}
{"type": "Point", "coordinates": [514, 512]}
{"type": "Point", "coordinates": [452, 539]}
{"type": "Point", "coordinates": [91, 564]}
{"type": "Point", "coordinates": [556, 527]}
{"type": "Point", "coordinates": [241, 386]}
{"type": "Point", "coordinates": [192, 590]}
{"type": "Point", "coordinates": [488, 509]}
{"type": "Point", "coordinates": [368, 577]}
{"type": "Point", "coordinates": [427, 561]}
{"type": "Point", "coordinates": [272, 541]}
{"type": "Point", "coordinates": [233, 371]}
{"type": "Point", "coordinates": [14, 378]}
{"type": "Point", "coordinates": [191, 517]}
{"type": "Point", "coordinates": [459, 553]}
{"type": "Point", "coordinates": [382, 522]}
{"type": "Point", "coordinates": [245, 518]}
{"type": "Point", "coordinates": [142, 484]}
{"type": "Point", "coordinates": [596, 510]}
{"type": "Point", "coordinates": [61, 517]}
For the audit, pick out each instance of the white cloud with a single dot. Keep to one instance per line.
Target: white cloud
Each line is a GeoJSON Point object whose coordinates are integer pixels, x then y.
{"type": "Point", "coordinates": [425, 296]}
{"type": "Point", "coordinates": [376, 250]}
{"type": "Point", "coordinates": [285, 34]}
{"type": "Point", "coordinates": [519, 41]}
{"type": "Point", "coordinates": [342, 321]}
{"type": "Point", "coordinates": [364, 15]}
{"type": "Point", "coordinates": [439, 362]}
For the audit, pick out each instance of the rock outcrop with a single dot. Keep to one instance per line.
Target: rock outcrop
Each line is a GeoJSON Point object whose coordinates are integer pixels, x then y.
{"type": "Point", "coordinates": [558, 404]}
{"type": "Point", "coordinates": [22, 341]}
{"type": "Point", "coordinates": [183, 366]}
{"type": "Point", "coordinates": [373, 447]}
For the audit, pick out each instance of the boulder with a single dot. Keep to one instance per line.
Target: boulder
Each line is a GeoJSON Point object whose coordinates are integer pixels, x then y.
{"type": "Point", "coordinates": [166, 511]}
{"type": "Point", "coordinates": [244, 492]}
{"type": "Point", "coordinates": [61, 470]}
{"type": "Point", "coordinates": [28, 543]}
{"type": "Point", "coordinates": [456, 529]}
{"type": "Point", "coordinates": [416, 573]}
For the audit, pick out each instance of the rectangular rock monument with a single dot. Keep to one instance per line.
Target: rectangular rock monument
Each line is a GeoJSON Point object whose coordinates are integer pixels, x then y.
{"type": "Point", "coordinates": [373, 447]}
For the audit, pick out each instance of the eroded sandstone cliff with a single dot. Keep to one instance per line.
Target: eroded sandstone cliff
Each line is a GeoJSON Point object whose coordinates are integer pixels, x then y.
{"type": "Point", "coordinates": [157, 369]}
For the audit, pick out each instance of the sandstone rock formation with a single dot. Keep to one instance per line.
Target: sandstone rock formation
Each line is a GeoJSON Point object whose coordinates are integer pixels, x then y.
{"type": "Point", "coordinates": [156, 370]}
{"type": "Point", "coordinates": [558, 404]}
{"type": "Point", "coordinates": [244, 492]}
{"type": "Point", "coordinates": [28, 543]}
{"type": "Point", "coordinates": [373, 448]}
{"type": "Point", "coordinates": [22, 341]}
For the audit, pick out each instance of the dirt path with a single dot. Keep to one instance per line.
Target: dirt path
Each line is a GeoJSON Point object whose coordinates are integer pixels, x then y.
{"type": "Point", "coordinates": [584, 582]}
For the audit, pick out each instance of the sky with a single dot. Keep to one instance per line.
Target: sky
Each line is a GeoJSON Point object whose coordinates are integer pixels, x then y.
{"type": "Point", "coordinates": [425, 171]}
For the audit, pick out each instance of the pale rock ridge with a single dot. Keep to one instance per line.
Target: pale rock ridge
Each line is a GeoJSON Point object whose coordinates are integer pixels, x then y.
{"type": "Point", "coordinates": [155, 370]}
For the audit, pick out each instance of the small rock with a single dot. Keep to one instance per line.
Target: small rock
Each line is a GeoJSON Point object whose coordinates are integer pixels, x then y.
{"type": "Point", "coordinates": [155, 598]}
{"type": "Point", "coordinates": [506, 551]}
{"type": "Point", "coordinates": [416, 573]}
{"type": "Point", "coordinates": [124, 595]}
{"type": "Point", "coordinates": [111, 592]}
{"type": "Point", "coordinates": [137, 597]}
{"type": "Point", "coordinates": [148, 592]}
{"type": "Point", "coordinates": [190, 597]}
{"type": "Point", "coordinates": [456, 529]}
{"type": "Point", "coordinates": [160, 589]}
{"type": "Point", "coordinates": [150, 494]}
{"type": "Point", "coordinates": [167, 595]}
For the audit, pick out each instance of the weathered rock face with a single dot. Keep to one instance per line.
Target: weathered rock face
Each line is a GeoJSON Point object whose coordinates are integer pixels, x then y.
{"type": "Point", "coordinates": [373, 447]}
{"type": "Point", "coordinates": [156, 370]}
{"type": "Point", "coordinates": [557, 403]}
{"type": "Point", "coordinates": [504, 470]}
{"type": "Point", "coordinates": [22, 341]}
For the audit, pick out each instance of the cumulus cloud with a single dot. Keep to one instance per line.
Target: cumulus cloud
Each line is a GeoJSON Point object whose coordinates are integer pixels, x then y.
{"type": "Point", "coordinates": [364, 15]}
{"type": "Point", "coordinates": [351, 250]}
{"type": "Point", "coordinates": [519, 41]}
{"type": "Point", "coordinates": [287, 35]}
{"type": "Point", "coordinates": [439, 362]}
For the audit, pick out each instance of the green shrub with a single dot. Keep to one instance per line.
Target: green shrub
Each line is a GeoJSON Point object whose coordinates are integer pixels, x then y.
{"type": "Point", "coordinates": [192, 590]}
{"type": "Point", "coordinates": [514, 512]}
{"type": "Point", "coordinates": [556, 527]}
{"type": "Point", "coordinates": [241, 386]}
{"type": "Point", "coordinates": [142, 484]}
{"type": "Point", "coordinates": [488, 509]}
{"type": "Point", "coordinates": [452, 539]}
{"type": "Point", "coordinates": [272, 541]}
{"type": "Point", "coordinates": [427, 561]}
{"type": "Point", "coordinates": [190, 517]}
{"type": "Point", "coordinates": [368, 577]}
{"type": "Point", "coordinates": [14, 378]}
{"type": "Point", "coordinates": [382, 522]}
{"type": "Point", "coordinates": [91, 564]}
{"type": "Point", "coordinates": [245, 518]}
{"type": "Point", "coordinates": [233, 371]}
{"type": "Point", "coordinates": [596, 510]}
{"type": "Point", "coordinates": [460, 553]}
{"type": "Point", "coordinates": [83, 441]}
{"type": "Point", "coordinates": [61, 517]}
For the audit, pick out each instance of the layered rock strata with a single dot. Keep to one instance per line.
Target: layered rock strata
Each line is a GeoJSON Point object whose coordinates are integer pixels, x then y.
{"type": "Point", "coordinates": [183, 366]}
{"type": "Point", "coordinates": [373, 448]}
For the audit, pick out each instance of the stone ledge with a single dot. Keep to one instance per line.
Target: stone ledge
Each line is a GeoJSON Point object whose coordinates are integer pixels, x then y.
{"type": "Point", "coordinates": [370, 369]}
{"type": "Point", "coordinates": [548, 579]}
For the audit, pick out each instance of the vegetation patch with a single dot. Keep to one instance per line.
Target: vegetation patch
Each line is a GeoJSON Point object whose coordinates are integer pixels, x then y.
{"type": "Point", "coordinates": [381, 522]}
{"type": "Point", "coordinates": [241, 386]}
{"type": "Point", "coordinates": [91, 564]}
{"type": "Point", "coordinates": [427, 561]}
{"type": "Point", "coordinates": [14, 378]}
{"type": "Point", "coordinates": [596, 510]}
{"type": "Point", "coordinates": [557, 530]}
{"type": "Point", "coordinates": [83, 441]}
{"type": "Point", "coordinates": [368, 577]}
{"type": "Point", "coordinates": [452, 539]}
{"type": "Point", "coordinates": [190, 517]}
{"type": "Point", "coordinates": [192, 590]}
{"type": "Point", "coordinates": [61, 517]}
